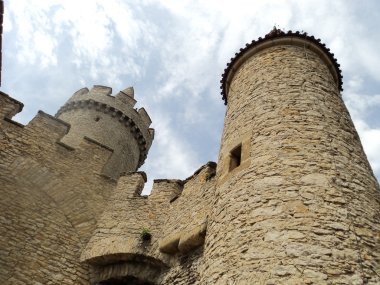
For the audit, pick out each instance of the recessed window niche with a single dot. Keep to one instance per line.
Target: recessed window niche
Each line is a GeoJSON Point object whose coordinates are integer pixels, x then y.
{"type": "Point", "coordinates": [235, 157]}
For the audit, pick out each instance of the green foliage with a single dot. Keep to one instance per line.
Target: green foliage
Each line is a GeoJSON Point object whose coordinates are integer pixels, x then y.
{"type": "Point", "coordinates": [146, 234]}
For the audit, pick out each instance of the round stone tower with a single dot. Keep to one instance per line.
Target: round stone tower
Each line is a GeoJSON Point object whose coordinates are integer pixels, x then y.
{"type": "Point", "coordinates": [296, 199]}
{"type": "Point", "coordinates": [112, 122]}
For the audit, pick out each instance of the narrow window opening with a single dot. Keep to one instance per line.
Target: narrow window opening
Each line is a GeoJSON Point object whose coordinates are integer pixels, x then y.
{"type": "Point", "coordinates": [235, 157]}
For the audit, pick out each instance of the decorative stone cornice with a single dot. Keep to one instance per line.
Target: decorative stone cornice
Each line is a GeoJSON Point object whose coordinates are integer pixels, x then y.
{"type": "Point", "coordinates": [115, 113]}
{"type": "Point", "coordinates": [271, 38]}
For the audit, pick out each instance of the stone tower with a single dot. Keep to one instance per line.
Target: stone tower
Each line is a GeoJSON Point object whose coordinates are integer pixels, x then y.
{"type": "Point", "coordinates": [296, 199]}
{"type": "Point", "coordinates": [111, 121]}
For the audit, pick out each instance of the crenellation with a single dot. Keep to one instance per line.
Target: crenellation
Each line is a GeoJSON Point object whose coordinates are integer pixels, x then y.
{"type": "Point", "coordinates": [55, 127]}
{"type": "Point", "coordinates": [136, 179]}
{"type": "Point", "coordinates": [127, 96]}
{"type": "Point", "coordinates": [94, 108]}
{"type": "Point", "coordinates": [292, 200]}
{"type": "Point", "coordinates": [101, 90]}
{"type": "Point", "coordinates": [151, 132]}
{"type": "Point", "coordinates": [144, 116]}
{"type": "Point", "coordinates": [164, 190]}
{"type": "Point", "coordinates": [13, 123]}
{"type": "Point", "coordinates": [129, 91]}
{"type": "Point", "coordinates": [200, 178]}
{"type": "Point", "coordinates": [80, 92]}
{"type": "Point", "coordinates": [9, 106]}
{"type": "Point", "coordinates": [207, 170]}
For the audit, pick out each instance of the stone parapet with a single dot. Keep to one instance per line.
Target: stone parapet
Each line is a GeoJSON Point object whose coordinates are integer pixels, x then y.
{"type": "Point", "coordinates": [9, 106]}
{"type": "Point", "coordinates": [277, 38]}
{"type": "Point", "coordinates": [47, 212]}
{"type": "Point", "coordinates": [174, 216]}
{"type": "Point", "coordinates": [99, 99]}
{"type": "Point", "coordinates": [111, 121]}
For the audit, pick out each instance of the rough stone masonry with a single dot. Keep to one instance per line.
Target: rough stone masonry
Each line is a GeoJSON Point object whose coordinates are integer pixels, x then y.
{"type": "Point", "coordinates": [292, 200]}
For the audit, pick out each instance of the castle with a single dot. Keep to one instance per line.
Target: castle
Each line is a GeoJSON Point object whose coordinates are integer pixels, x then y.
{"type": "Point", "coordinates": [292, 200]}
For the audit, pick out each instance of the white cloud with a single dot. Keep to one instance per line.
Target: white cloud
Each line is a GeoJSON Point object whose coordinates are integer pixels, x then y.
{"type": "Point", "coordinates": [35, 43]}
{"type": "Point", "coordinates": [174, 154]}
{"type": "Point", "coordinates": [45, 44]}
{"type": "Point", "coordinates": [370, 138]}
{"type": "Point", "coordinates": [358, 103]}
{"type": "Point", "coordinates": [7, 24]}
{"type": "Point", "coordinates": [359, 106]}
{"type": "Point", "coordinates": [170, 156]}
{"type": "Point", "coordinates": [94, 34]}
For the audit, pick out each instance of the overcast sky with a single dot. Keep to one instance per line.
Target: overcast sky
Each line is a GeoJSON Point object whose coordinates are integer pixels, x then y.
{"type": "Point", "coordinates": [173, 53]}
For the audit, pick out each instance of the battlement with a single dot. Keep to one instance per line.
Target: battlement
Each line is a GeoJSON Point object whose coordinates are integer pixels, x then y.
{"type": "Point", "coordinates": [165, 190]}
{"type": "Point", "coordinates": [278, 37]}
{"type": "Point", "coordinates": [127, 96]}
{"type": "Point", "coordinates": [136, 179]}
{"type": "Point", "coordinates": [112, 121]}
{"type": "Point", "coordinates": [9, 106]}
{"type": "Point", "coordinates": [55, 127]}
{"type": "Point", "coordinates": [119, 107]}
{"type": "Point", "coordinates": [176, 223]}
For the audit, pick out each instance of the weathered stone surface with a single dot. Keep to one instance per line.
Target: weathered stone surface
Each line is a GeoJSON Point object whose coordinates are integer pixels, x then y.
{"type": "Point", "coordinates": [307, 185]}
{"type": "Point", "coordinates": [169, 244]}
{"type": "Point", "coordinates": [53, 196]}
{"type": "Point", "coordinates": [192, 239]}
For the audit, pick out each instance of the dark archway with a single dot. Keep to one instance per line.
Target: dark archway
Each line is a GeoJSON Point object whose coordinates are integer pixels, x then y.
{"type": "Point", "coordinates": [128, 280]}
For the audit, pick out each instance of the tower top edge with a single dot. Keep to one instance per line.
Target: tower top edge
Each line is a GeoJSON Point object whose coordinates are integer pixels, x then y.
{"type": "Point", "coordinates": [275, 37]}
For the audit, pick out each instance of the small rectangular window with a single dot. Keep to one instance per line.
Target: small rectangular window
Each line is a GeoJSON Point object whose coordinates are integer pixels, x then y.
{"type": "Point", "coordinates": [235, 157]}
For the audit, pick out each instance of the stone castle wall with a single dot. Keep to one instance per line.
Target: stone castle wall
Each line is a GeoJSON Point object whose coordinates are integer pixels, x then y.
{"type": "Point", "coordinates": [52, 196]}
{"type": "Point", "coordinates": [65, 222]}
{"type": "Point", "coordinates": [175, 214]}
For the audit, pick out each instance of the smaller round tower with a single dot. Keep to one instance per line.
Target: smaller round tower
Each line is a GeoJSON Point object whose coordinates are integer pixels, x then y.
{"type": "Point", "coordinates": [111, 121]}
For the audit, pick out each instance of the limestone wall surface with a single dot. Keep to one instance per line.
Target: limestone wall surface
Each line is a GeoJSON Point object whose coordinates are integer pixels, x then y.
{"type": "Point", "coordinates": [175, 214]}
{"type": "Point", "coordinates": [52, 196]}
{"type": "Point", "coordinates": [64, 222]}
{"type": "Point", "coordinates": [303, 208]}
{"type": "Point", "coordinates": [9, 106]}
